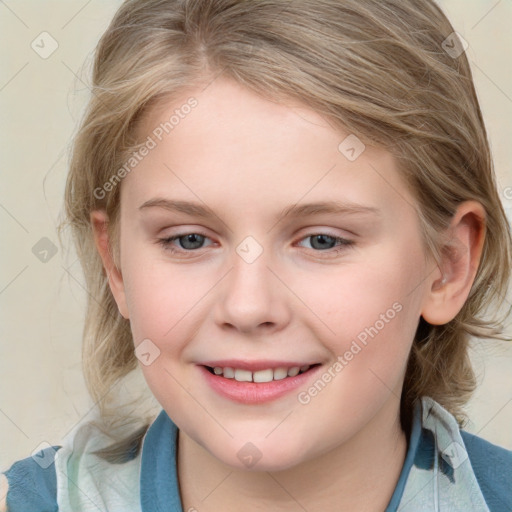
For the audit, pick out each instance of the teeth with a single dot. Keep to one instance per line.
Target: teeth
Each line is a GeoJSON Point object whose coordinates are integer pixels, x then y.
{"type": "Point", "coordinates": [260, 376]}
{"type": "Point", "coordinates": [263, 376]}
{"type": "Point", "coordinates": [229, 373]}
{"type": "Point", "coordinates": [280, 373]}
{"type": "Point", "coordinates": [293, 371]}
{"type": "Point", "coordinates": [243, 375]}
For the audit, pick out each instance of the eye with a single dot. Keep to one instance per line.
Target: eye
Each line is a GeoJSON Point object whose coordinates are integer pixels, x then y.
{"type": "Point", "coordinates": [324, 242]}
{"type": "Point", "coordinates": [191, 242]}
{"type": "Point", "coordinates": [188, 242]}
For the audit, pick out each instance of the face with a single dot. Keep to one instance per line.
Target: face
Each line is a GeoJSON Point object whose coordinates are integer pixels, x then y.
{"type": "Point", "coordinates": [235, 284]}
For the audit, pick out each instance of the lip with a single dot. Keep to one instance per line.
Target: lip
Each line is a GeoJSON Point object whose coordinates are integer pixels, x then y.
{"type": "Point", "coordinates": [252, 392]}
{"type": "Point", "coordinates": [254, 366]}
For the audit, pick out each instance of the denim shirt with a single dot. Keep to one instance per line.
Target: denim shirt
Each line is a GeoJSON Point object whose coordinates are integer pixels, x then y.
{"type": "Point", "coordinates": [445, 469]}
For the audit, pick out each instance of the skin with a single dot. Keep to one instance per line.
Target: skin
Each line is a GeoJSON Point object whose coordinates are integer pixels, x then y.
{"type": "Point", "coordinates": [247, 159]}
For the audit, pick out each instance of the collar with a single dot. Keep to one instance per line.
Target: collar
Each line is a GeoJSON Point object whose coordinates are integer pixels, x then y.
{"type": "Point", "coordinates": [436, 476]}
{"type": "Point", "coordinates": [159, 490]}
{"type": "Point", "coordinates": [441, 478]}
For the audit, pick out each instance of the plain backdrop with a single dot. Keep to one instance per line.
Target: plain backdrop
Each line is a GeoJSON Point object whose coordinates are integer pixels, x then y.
{"type": "Point", "coordinates": [42, 303]}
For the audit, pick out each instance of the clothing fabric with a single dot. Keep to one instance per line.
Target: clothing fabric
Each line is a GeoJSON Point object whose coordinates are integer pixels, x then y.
{"type": "Point", "coordinates": [445, 469]}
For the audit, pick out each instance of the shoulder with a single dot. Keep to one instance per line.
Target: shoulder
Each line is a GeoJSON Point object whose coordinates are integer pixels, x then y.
{"type": "Point", "coordinates": [470, 470]}
{"type": "Point", "coordinates": [31, 483]}
{"type": "Point", "coordinates": [492, 466]}
{"type": "Point", "coordinates": [87, 472]}
{"type": "Point", "coordinates": [95, 474]}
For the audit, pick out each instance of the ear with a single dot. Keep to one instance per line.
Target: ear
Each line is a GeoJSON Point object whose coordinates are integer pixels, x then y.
{"type": "Point", "coordinates": [99, 223]}
{"type": "Point", "coordinates": [449, 287]}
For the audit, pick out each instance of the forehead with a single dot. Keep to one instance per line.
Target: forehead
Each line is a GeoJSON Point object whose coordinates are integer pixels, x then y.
{"type": "Point", "coordinates": [234, 148]}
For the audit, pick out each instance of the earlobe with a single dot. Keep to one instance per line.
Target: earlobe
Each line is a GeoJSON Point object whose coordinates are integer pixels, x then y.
{"type": "Point", "coordinates": [449, 287]}
{"type": "Point", "coordinates": [99, 224]}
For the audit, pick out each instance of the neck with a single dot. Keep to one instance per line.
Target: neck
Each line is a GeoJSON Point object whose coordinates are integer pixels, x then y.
{"type": "Point", "coordinates": [360, 474]}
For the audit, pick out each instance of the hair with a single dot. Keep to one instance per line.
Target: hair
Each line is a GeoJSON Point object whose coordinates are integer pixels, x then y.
{"type": "Point", "coordinates": [374, 68]}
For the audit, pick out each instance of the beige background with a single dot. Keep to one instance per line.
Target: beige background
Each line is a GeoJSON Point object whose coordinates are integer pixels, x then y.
{"type": "Point", "coordinates": [42, 395]}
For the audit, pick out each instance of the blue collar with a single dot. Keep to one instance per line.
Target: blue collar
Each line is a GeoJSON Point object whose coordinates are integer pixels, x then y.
{"type": "Point", "coordinates": [410, 458]}
{"type": "Point", "coordinates": [159, 491]}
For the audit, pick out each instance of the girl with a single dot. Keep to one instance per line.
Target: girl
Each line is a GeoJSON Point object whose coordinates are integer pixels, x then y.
{"type": "Point", "coordinates": [226, 146]}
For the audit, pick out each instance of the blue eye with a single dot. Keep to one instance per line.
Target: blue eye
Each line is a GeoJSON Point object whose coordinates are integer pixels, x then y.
{"type": "Point", "coordinates": [322, 239]}
{"type": "Point", "coordinates": [190, 242]}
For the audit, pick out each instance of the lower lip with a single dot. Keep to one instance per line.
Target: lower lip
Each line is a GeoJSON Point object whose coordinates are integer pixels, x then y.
{"type": "Point", "coordinates": [256, 392]}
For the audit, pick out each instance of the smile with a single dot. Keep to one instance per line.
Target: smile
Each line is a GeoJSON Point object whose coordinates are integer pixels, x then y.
{"type": "Point", "coordinates": [257, 386]}
{"type": "Point", "coordinates": [266, 375]}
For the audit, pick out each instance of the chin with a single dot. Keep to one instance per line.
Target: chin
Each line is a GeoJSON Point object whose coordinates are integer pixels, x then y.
{"type": "Point", "coordinates": [261, 456]}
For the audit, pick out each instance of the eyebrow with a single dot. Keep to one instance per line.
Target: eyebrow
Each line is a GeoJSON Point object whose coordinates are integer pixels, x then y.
{"type": "Point", "coordinates": [294, 210]}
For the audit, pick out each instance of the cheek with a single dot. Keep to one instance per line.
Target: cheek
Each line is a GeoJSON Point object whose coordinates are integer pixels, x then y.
{"type": "Point", "coordinates": [372, 311]}
{"type": "Point", "coordinates": [353, 297]}
{"type": "Point", "coordinates": [161, 303]}
{"type": "Point", "coordinates": [159, 294]}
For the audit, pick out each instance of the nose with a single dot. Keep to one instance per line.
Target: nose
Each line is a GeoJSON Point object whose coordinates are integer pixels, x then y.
{"type": "Point", "coordinates": [252, 299]}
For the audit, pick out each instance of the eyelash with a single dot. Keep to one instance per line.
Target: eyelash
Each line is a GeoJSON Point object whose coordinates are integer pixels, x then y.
{"type": "Point", "coordinates": [343, 243]}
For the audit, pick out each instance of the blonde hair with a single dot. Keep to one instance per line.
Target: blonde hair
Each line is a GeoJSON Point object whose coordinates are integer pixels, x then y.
{"type": "Point", "coordinates": [374, 68]}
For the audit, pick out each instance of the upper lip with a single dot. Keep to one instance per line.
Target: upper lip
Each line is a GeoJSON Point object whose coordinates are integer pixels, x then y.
{"type": "Point", "coordinates": [255, 366]}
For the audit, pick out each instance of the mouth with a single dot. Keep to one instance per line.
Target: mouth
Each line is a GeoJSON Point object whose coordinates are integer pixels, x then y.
{"type": "Point", "coordinates": [257, 385]}
{"type": "Point", "coordinates": [264, 375]}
